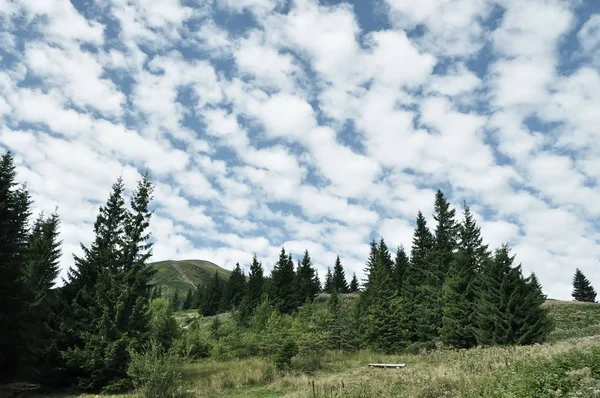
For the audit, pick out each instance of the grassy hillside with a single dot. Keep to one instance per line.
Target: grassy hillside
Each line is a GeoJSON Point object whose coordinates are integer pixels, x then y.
{"type": "Point", "coordinates": [185, 274]}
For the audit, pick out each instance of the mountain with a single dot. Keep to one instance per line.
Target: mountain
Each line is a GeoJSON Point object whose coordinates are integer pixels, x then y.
{"type": "Point", "coordinates": [185, 274]}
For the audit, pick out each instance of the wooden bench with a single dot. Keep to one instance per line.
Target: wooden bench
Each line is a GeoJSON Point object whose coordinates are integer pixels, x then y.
{"type": "Point", "coordinates": [387, 365]}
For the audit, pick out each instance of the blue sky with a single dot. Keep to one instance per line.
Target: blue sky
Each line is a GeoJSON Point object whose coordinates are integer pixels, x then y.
{"type": "Point", "coordinates": [313, 125]}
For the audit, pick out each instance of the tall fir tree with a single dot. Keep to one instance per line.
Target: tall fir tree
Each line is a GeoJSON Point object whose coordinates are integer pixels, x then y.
{"type": "Point", "coordinates": [328, 284]}
{"type": "Point", "coordinates": [175, 300]}
{"type": "Point", "coordinates": [458, 319]}
{"type": "Point", "coordinates": [305, 286]}
{"type": "Point", "coordinates": [234, 289]}
{"type": "Point", "coordinates": [401, 264]}
{"type": "Point", "coordinates": [189, 299]}
{"type": "Point", "coordinates": [40, 357]}
{"type": "Point", "coordinates": [420, 285]}
{"type": "Point", "coordinates": [282, 289]}
{"type": "Point", "coordinates": [339, 277]}
{"type": "Point", "coordinates": [582, 288]}
{"type": "Point", "coordinates": [256, 284]}
{"type": "Point", "coordinates": [445, 237]}
{"type": "Point", "coordinates": [14, 213]}
{"type": "Point", "coordinates": [211, 298]}
{"type": "Point", "coordinates": [109, 292]}
{"type": "Point", "coordinates": [354, 287]}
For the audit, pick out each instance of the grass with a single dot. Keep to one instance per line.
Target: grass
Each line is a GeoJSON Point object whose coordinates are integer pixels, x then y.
{"type": "Point", "coordinates": [568, 365]}
{"type": "Point", "coordinates": [185, 274]}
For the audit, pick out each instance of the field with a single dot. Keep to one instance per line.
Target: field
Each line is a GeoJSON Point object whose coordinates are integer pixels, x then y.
{"type": "Point", "coordinates": [568, 365]}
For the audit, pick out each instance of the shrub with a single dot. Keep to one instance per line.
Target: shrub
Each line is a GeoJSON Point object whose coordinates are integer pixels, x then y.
{"type": "Point", "coordinates": [284, 356]}
{"type": "Point", "coordinates": [156, 375]}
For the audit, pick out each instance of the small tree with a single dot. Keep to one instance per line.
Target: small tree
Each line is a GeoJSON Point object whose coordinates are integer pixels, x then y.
{"type": "Point", "coordinates": [339, 277]}
{"type": "Point", "coordinates": [189, 299]}
{"type": "Point", "coordinates": [354, 284]}
{"type": "Point", "coordinates": [582, 288]}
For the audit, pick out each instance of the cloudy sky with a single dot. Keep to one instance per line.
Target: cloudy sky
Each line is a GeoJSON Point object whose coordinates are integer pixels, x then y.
{"type": "Point", "coordinates": [311, 124]}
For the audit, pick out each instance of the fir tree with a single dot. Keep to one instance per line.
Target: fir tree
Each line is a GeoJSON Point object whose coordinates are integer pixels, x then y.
{"type": "Point", "coordinates": [582, 288]}
{"type": "Point", "coordinates": [328, 285]}
{"type": "Point", "coordinates": [445, 235]}
{"type": "Point", "coordinates": [354, 284]}
{"type": "Point", "coordinates": [420, 286]}
{"type": "Point", "coordinates": [459, 288]}
{"type": "Point", "coordinates": [304, 283]}
{"type": "Point", "coordinates": [189, 299]}
{"type": "Point", "coordinates": [175, 301]}
{"type": "Point", "coordinates": [211, 299]}
{"type": "Point", "coordinates": [256, 284]}
{"type": "Point", "coordinates": [282, 288]}
{"type": "Point", "coordinates": [535, 323]}
{"type": "Point", "coordinates": [401, 264]}
{"type": "Point", "coordinates": [339, 277]}
{"type": "Point", "coordinates": [234, 289]}
{"type": "Point", "coordinates": [41, 271]}
{"type": "Point", "coordinates": [14, 214]}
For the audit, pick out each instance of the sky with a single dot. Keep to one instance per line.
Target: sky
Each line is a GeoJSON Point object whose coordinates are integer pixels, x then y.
{"type": "Point", "coordinates": [316, 125]}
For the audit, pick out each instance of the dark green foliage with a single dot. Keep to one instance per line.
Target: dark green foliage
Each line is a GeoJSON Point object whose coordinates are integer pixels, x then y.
{"type": "Point", "coordinates": [256, 284]}
{"type": "Point", "coordinates": [420, 286]}
{"type": "Point", "coordinates": [339, 277]}
{"type": "Point", "coordinates": [14, 213]}
{"type": "Point", "coordinates": [163, 326]}
{"type": "Point", "coordinates": [108, 293]}
{"type": "Point", "coordinates": [508, 306]}
{"type": "Point", "coordinates": [40, 272]}
{"type": "Point", "coordinates": [234, 289]}
{"type": "Point", "coordinates": [401, 264]}
{"type": "Point", "coordinates": [189, 299]}
{"type": "Point", "coordinates": [282, 289]}
{"type": "Point", "coordinates": [176, 301]}
{"type": "Point", "coordinates": [458, 320]}
{"type": "Point", "coordinates": [445, 236]}
{"type": "Point", "coordinates": [328, 285]}
{"type": "Point", "coordinates": [286, 352]}
{"type": "Point", "coordinates": [306, 283]}
{"type": "Point", "coordinates": [211, 298]}
{"type": "Point", "coordinates": [354, 284]}
{"type": "Point", "coordinates": [582, 288]}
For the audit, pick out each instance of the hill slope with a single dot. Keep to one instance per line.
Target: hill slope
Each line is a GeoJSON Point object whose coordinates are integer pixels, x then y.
{"type": "Point", "coordinates": [185, 274]}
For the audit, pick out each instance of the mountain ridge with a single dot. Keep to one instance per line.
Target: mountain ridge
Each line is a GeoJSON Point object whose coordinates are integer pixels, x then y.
{"type": "Point", "coordinates": [183, 275]}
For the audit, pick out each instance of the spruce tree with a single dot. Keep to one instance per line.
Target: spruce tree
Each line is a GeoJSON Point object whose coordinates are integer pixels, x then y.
{"type": "Point", "coordinates": [459, 288]}
{"type": "Point", "coordinates": [401, 264]}
{"type": "Point", "coordinates": [420, 286]}
{"type": "Point", "coordinates": [328, 285]}
{"type": "Point", "coordinates": [109, 292]}
{"type": "Point", "coordinates": [354, 284]}
{"type": "Point", "coordinates": [445, 235]}
{"type": "Point", "coordinates": [175, 301]}
{"type": "Point", "coordinates": [14, 214]}
{"type": "Point", "coordinates": [535, 322]}
{"type": "Point", "coordinates": [234, 289]}
{"type": "Point", "coordinates": [304, 283]}
{"type": "Point", "coordinates": [39, 357]}
{"type": "Point", "coordinates": [282, 288]}
{"type": "Point", "coordinates": [189, 298]}
{"type": "Point", "coordinates": [256, 283]}
{"type": "Point", "coordinates": [339, 277]}
{"type": "Point", "coordinates": [211, 299]}
{"type": "Point", "coordinates": [582, 288]}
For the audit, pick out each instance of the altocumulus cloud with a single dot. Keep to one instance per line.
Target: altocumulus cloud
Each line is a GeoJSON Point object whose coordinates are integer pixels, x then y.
{"type": "Point", "coordinates": [313, 125]}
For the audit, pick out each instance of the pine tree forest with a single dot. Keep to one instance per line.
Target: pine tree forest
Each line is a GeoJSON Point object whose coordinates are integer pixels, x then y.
{"type": "Point", "coordinates": [445, 289]}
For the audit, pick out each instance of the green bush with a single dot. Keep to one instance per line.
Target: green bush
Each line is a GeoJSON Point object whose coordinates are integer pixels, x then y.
{"type": "Point", "coordinates": [156, 375]}
{"type": "Point", "coordinates": [286, 352]}
{"type": "Point", "coordinates": [307, 363]}
{"type": "Point", "coordinates": [420, 347]}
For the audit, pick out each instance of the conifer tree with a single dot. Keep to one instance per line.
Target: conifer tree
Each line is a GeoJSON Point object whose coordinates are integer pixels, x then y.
{"type": "Point", "coordinates": [328, 285]}
{"type": "Point", "coordinates": [339, 277]}
{"type": "Point", "coordinates": [41, 271]}
{"type": "Point", "coordinates": [582, 288]}
{"type": "Point", "coordinates": [354, 284]}
{"type": "Point", "coordinates": [175, 301]}
{"type": "Point", "coordinates": [401, 264]}
{"type": "Point", "coordinates": [234, 289]}
{"type": "Point", "coordinates": [109, 292]}
{"type": "Point", "coordinates": [211, 299]}
{"type": "Point", "coordinates": [14, 214]}
{"type": "Point", "coordinates": [420, 286]}
{"type": "Point", "coordinates": [189, 298]}
{"type": "Point", "coordinates": [256, 282]}
{"type": "Point", "coordinates": [304, 283]}
{"type": "Point", "coordinates": [533, 323]}
{"type": "Point", "coordinates": [445, 235]}
{"type": "Point", "coordinates": [282, 288]}
{"type": "Point", "coordinates": [459, 288]}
